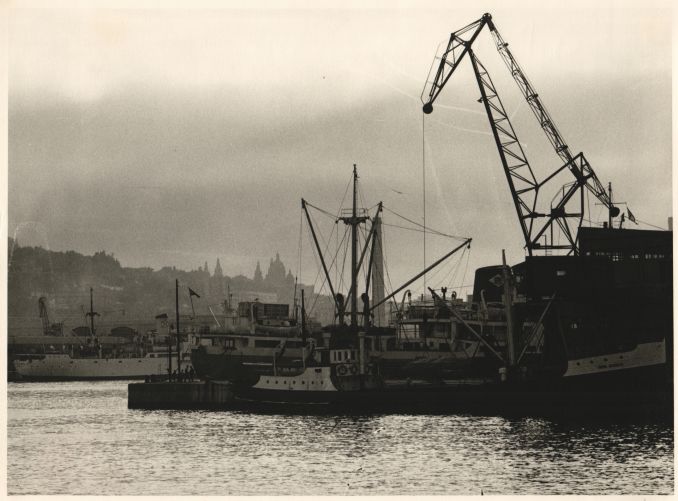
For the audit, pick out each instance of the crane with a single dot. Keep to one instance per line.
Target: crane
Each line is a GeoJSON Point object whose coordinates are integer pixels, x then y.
{"type": "Point", "coordinates": [48, 329]}
{"type": "Point", "coordinates": [564, 213]}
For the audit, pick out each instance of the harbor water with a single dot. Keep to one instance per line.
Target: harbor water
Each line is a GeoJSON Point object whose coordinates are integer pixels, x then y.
{"type": "Point", "coordinates": [80, 438]}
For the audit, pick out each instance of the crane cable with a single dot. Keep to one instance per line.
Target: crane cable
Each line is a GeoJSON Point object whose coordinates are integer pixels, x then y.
{"type": "Point", "coordinates": [423, 175]}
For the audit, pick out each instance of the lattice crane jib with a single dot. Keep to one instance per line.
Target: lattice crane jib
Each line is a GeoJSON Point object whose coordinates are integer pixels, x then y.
{"type": "Point", "coordinates": [566, 210]}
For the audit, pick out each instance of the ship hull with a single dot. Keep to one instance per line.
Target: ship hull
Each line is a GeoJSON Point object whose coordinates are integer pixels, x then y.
{"type": "Point", "coordinates": [634, 391]}
{"type": "Point", "coordinates": [60, 367]}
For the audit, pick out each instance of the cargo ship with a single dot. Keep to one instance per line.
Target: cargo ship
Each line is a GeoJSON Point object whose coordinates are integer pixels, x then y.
{"type": "Point", "coordinates": [589, 329]}
{"type": "Point", "coordinates": [588, 322]}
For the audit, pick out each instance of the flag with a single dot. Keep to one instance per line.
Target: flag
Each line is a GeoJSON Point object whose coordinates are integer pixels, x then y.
{"type": "Point", "coordinates": [631, 216]}
{"type": "Point", "coordinates": [192, 293]}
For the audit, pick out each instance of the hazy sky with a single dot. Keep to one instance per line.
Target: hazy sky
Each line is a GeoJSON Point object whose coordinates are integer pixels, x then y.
{"type": "Point", "coordinates": [176, 136]}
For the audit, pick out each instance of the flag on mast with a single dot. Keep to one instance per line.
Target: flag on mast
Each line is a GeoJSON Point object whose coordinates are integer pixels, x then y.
{"type": "Point", "coordinates": [192, 293]}
{"type": "Point", "coordinates": [631, 216]}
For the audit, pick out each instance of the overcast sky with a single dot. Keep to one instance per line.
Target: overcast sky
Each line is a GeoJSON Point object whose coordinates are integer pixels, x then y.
{"type": "Point", "coordinates": [176, 136]}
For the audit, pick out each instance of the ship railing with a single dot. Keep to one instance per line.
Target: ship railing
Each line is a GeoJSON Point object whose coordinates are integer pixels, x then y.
{"type": "Point", "coordinates": [360, 212]}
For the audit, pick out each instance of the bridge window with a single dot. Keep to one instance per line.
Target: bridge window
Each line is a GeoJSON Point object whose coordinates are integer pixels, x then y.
{"type": "Point", "coordinates": [266, 343]}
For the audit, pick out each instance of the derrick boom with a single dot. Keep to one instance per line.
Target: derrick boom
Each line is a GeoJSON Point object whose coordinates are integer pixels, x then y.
{"type": "Point", "coordinates": [566, 211]}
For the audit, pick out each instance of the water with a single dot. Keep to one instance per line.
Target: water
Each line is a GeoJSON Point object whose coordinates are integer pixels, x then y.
{"type": "Point", "coordinates": [80, 438]}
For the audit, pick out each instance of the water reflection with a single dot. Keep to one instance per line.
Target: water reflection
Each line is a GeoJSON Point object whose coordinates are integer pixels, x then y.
{"type": "Point", "coordinates": [79, 438]}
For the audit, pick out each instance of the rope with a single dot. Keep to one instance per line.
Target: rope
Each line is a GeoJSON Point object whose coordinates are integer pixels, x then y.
{"type": "Point", "coordinates": [652, 225]}
{"type": "Point", "coordinates": [301, 230]}
{"type": "Point", "coordinates": [463, 278]}
{"type": "Point", "coordinates": [328, 214]}
{"type": "Point", "coordinates": [423, 183]}
{"type": "Point", "coordinates": [423, 228]}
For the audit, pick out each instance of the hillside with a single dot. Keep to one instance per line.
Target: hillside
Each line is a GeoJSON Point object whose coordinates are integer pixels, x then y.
{"type": "Point", "coordinates": [124, 295]}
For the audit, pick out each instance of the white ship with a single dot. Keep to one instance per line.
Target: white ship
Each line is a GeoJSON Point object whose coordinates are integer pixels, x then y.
{"type": "Point", "coordinates": [63, 367]}
{"type": "Point", "coordinates": [122, 354]}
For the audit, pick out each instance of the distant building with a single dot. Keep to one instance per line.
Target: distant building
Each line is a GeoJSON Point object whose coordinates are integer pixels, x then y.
{"type": "Point", "coordinates": [263, 297]}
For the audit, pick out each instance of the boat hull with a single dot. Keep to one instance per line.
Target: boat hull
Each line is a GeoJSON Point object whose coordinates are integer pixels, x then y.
{"type": "Point", "coordinates": [567, 396]}
{"type": "Point", "coordinates": [61, 367]}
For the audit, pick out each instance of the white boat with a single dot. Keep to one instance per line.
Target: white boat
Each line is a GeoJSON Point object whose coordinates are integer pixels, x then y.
{"type": "Point", "coordinates": [62, 366]}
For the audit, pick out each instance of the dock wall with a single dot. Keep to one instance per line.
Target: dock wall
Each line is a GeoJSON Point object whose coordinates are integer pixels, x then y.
{"type": "Point", "coordinates": [190, 395]}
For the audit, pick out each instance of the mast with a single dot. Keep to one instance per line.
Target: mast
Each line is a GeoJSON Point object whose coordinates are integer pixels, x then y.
{"type": "Point", "coordinates": [176, 297]}
{"type": "Point", "coordinates": [378, 275]}
{"type": "Point", "coordinates": [354, 221]}
{"type": "Point", "coordinates": [303, 320]}
{"type": "Point", "coordinates": [609, 212]}
{"type": "Point", "coordinates": [320, 255]}
{"type": "Point", "coordinates": [354, 252]}
{"type": "Point", "coordinates": [169, 355]}
{"type": "Point", "coordinates": [91, 311]}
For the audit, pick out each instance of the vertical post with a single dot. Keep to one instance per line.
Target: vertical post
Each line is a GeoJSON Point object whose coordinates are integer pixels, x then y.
{"type": "Point", "coordinates": [91, 310]}
{"type": "Point", "coordinates": [423, 182]}
{"type": "Point", "coordinates": [303, 330]}
{"type": "Point", "coordinates": [377, 273]}
{"type": "Point", "coordinates": [176, 297]}
{"type": "Point", "coordinates": [361, 352]}
{"type": "Point", "coordinates": [508, 306]}
{"type": "Point", "coordinates": [169, 355]}
{"type": "Point", "coordinates": [354, 252]}
{"type": "Point", "coordinates": [303, 318]}
{"type": "Point", "coordinates": [609, 212]}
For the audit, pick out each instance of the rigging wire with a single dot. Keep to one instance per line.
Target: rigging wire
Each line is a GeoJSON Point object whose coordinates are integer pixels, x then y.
{"type": "Point", "coordinates": [593, 223]}
{"type": "Point", "coordinates": [317, 258]}
{"type": "Point", "coordinates": [420, 231]}
{"type": "Point", "coordinates": [317, 261]}
{"type": "Point", "coordinates": [649, 224]}
{"type": "Point", "coordinates": [323, 211]}
{"type": "Point", "coordinates": [341, 204]}
{"type": "Point", "coordinates": [343, 264]}
{"type": "Point", "coordinates": [451, 275]}
{"type": "Point", "coordinates": [463, 278]}
{"type": "Point", "coordinates": [423, 183]}
{"type": "Point", "coordinates": [301, 229]}
{"type": "Point", "coordinates": [430, 230]}
{"type": "Point", "coordinates": [385, 267]}
{"type": "Point", "coordinates": [334, 259]}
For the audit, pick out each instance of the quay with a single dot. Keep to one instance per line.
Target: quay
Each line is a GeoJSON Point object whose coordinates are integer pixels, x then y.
{"type": "Point", "coordinates": [179, 395]}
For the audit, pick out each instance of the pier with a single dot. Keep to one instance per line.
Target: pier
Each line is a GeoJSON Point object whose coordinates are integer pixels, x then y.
{"type": "Point", "coordinates": [175, 395]}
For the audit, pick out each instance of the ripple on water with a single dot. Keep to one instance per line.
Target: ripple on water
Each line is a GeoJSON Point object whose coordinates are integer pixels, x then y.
{"type": "Point", "coordinates": [80, 438]}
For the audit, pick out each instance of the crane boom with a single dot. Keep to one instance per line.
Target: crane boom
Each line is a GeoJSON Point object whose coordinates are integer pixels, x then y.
{"type": "Point", "coordinates": [522, 182]}
{"type": "Point", "coordinates": [582, 171]}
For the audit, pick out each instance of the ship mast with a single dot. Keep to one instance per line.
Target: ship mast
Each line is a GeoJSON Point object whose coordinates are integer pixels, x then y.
{"type": "Point", "coordinates": [91, 311]}
{"type": "Point", "coordinates": [176, 297]}
{"type": "Point", "coordinates": [354, 253]}
{"type": "Point", "coordinates": [354, 221]}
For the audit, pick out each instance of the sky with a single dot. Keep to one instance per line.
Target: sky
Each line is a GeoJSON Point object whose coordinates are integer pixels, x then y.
{"type": "Point", "coordinates": [175, 136]}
